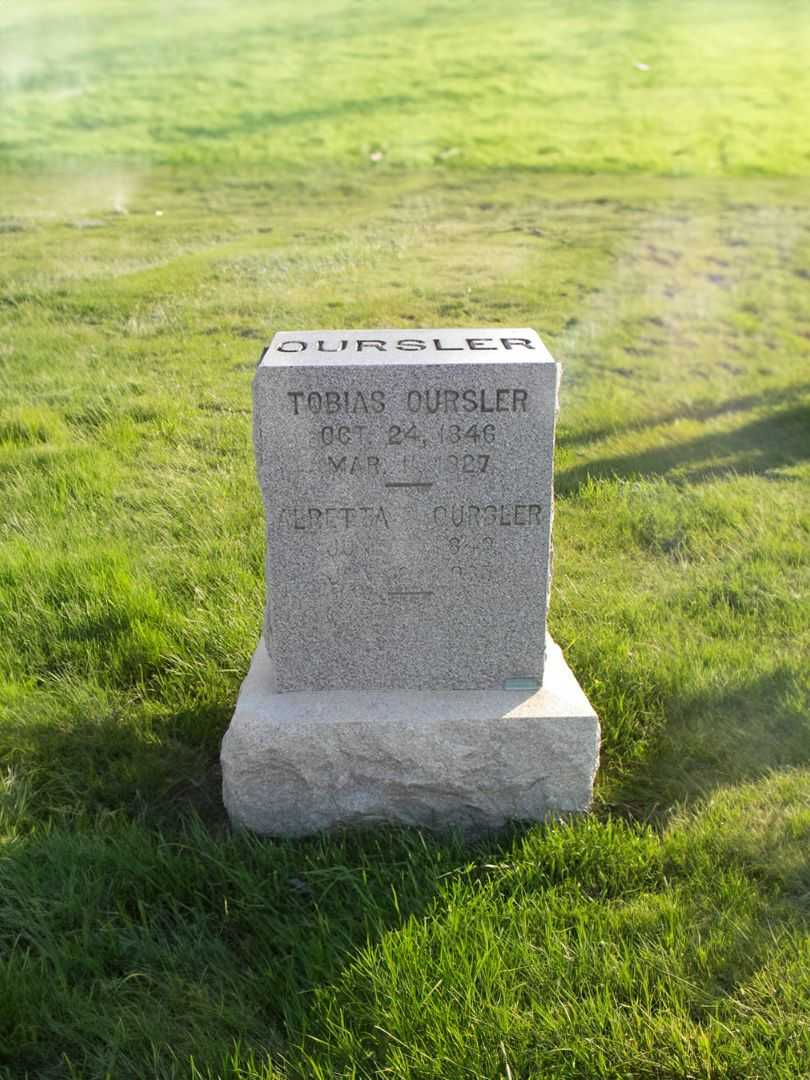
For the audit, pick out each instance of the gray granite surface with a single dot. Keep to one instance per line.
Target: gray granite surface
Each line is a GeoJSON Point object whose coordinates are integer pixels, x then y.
{"type": "Point", "coordinates": [407, 481]}
{"type": "Point", "coordinates": [297, 763]}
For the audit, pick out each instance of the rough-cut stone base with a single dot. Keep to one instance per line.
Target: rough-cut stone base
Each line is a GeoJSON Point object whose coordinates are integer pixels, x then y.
{"type": "Point", "coordinates": [298, 762]}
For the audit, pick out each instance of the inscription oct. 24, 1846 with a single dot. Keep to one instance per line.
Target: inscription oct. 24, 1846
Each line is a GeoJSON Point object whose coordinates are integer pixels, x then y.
{"type": "Point", "coordinates": [407, 479]}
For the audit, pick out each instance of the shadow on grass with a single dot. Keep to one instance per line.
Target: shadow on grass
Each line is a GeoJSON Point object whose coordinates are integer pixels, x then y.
{"type": "Point", "coordinates": [779, 395]}
{"type": "Point", "coordinates": [251, 122]}
{"type": "Point", "coordinates": [712, 740]}
{"type": "Point", "coordinates": [760, 446]}
{"type": "Point", "coordinates": [137, 927]}
{"type": "Point", "coordinates": [136, 940]}
{"type": "Point", "coordinates": [119, 762]}
{"type": "Point", "coordinates": [129, 947]}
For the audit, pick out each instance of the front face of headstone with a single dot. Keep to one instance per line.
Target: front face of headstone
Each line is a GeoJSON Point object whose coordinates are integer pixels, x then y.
{"type": "Point", "coordinates": [407, 479]}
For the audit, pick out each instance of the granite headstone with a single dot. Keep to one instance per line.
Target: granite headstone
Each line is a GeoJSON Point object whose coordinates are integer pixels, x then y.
{"type": "Point", "coordinates": [407, 484]}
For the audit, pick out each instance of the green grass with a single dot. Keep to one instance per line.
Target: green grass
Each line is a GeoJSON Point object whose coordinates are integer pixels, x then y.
{"type": "Point", "coordinates": [551, 86]}
{"type": "Point", "coordinates": [665, 936]}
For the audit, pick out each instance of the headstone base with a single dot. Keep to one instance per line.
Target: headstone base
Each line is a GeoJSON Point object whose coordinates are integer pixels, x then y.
{"type": "Point", "coordinates": [298, 762]}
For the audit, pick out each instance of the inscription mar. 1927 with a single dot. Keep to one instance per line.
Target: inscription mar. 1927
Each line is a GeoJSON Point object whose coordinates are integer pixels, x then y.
{"type": "Point", "coordinates": [407, 482]}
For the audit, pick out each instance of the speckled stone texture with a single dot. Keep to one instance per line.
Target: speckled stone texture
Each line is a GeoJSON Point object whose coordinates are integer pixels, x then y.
{"type": "Point", "coordinates": [407, 482]}
{"type": "Point", "coordinates": [298, 763]}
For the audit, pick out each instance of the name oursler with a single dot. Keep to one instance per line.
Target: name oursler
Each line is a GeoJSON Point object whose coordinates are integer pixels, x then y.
{"type": "Point", "coordinates": [409, 344]}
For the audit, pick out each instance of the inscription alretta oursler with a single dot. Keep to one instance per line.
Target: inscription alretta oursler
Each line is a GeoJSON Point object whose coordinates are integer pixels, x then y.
{"type": "Point", "coordinates": [407, 479]}
{"type": "Point", "coordinates": [429, 401]}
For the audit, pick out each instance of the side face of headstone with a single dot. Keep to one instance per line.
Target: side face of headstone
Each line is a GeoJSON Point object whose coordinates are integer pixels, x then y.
{"type": "Point", "coordinates": [407, 481]}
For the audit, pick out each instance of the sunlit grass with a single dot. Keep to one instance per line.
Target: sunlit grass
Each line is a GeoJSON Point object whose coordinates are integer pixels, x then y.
{"type": "Point", "coordinates": [698, 87]}
{"type": "Point", "coordinates": [131, 597]}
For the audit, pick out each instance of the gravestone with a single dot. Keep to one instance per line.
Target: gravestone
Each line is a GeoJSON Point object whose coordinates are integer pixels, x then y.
{"type": "Point", "coordinates": [407, 674]}
{"type": "Point", "coordinates": [408, 493]}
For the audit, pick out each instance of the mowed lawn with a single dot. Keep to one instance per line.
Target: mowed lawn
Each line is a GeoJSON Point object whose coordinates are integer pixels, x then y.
{"type": "Point", "coordinates": [177, 182]}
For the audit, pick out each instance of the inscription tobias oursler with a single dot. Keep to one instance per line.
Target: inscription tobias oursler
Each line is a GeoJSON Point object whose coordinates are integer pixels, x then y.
{"type": "Point", "coordinates": [436, 400]}
{"type": "Point", "coordinates": [407, 483]}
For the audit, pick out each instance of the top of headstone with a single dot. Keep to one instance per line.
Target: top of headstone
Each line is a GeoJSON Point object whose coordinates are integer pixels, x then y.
{"type": "Point", "coordinates": [369, 348]}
